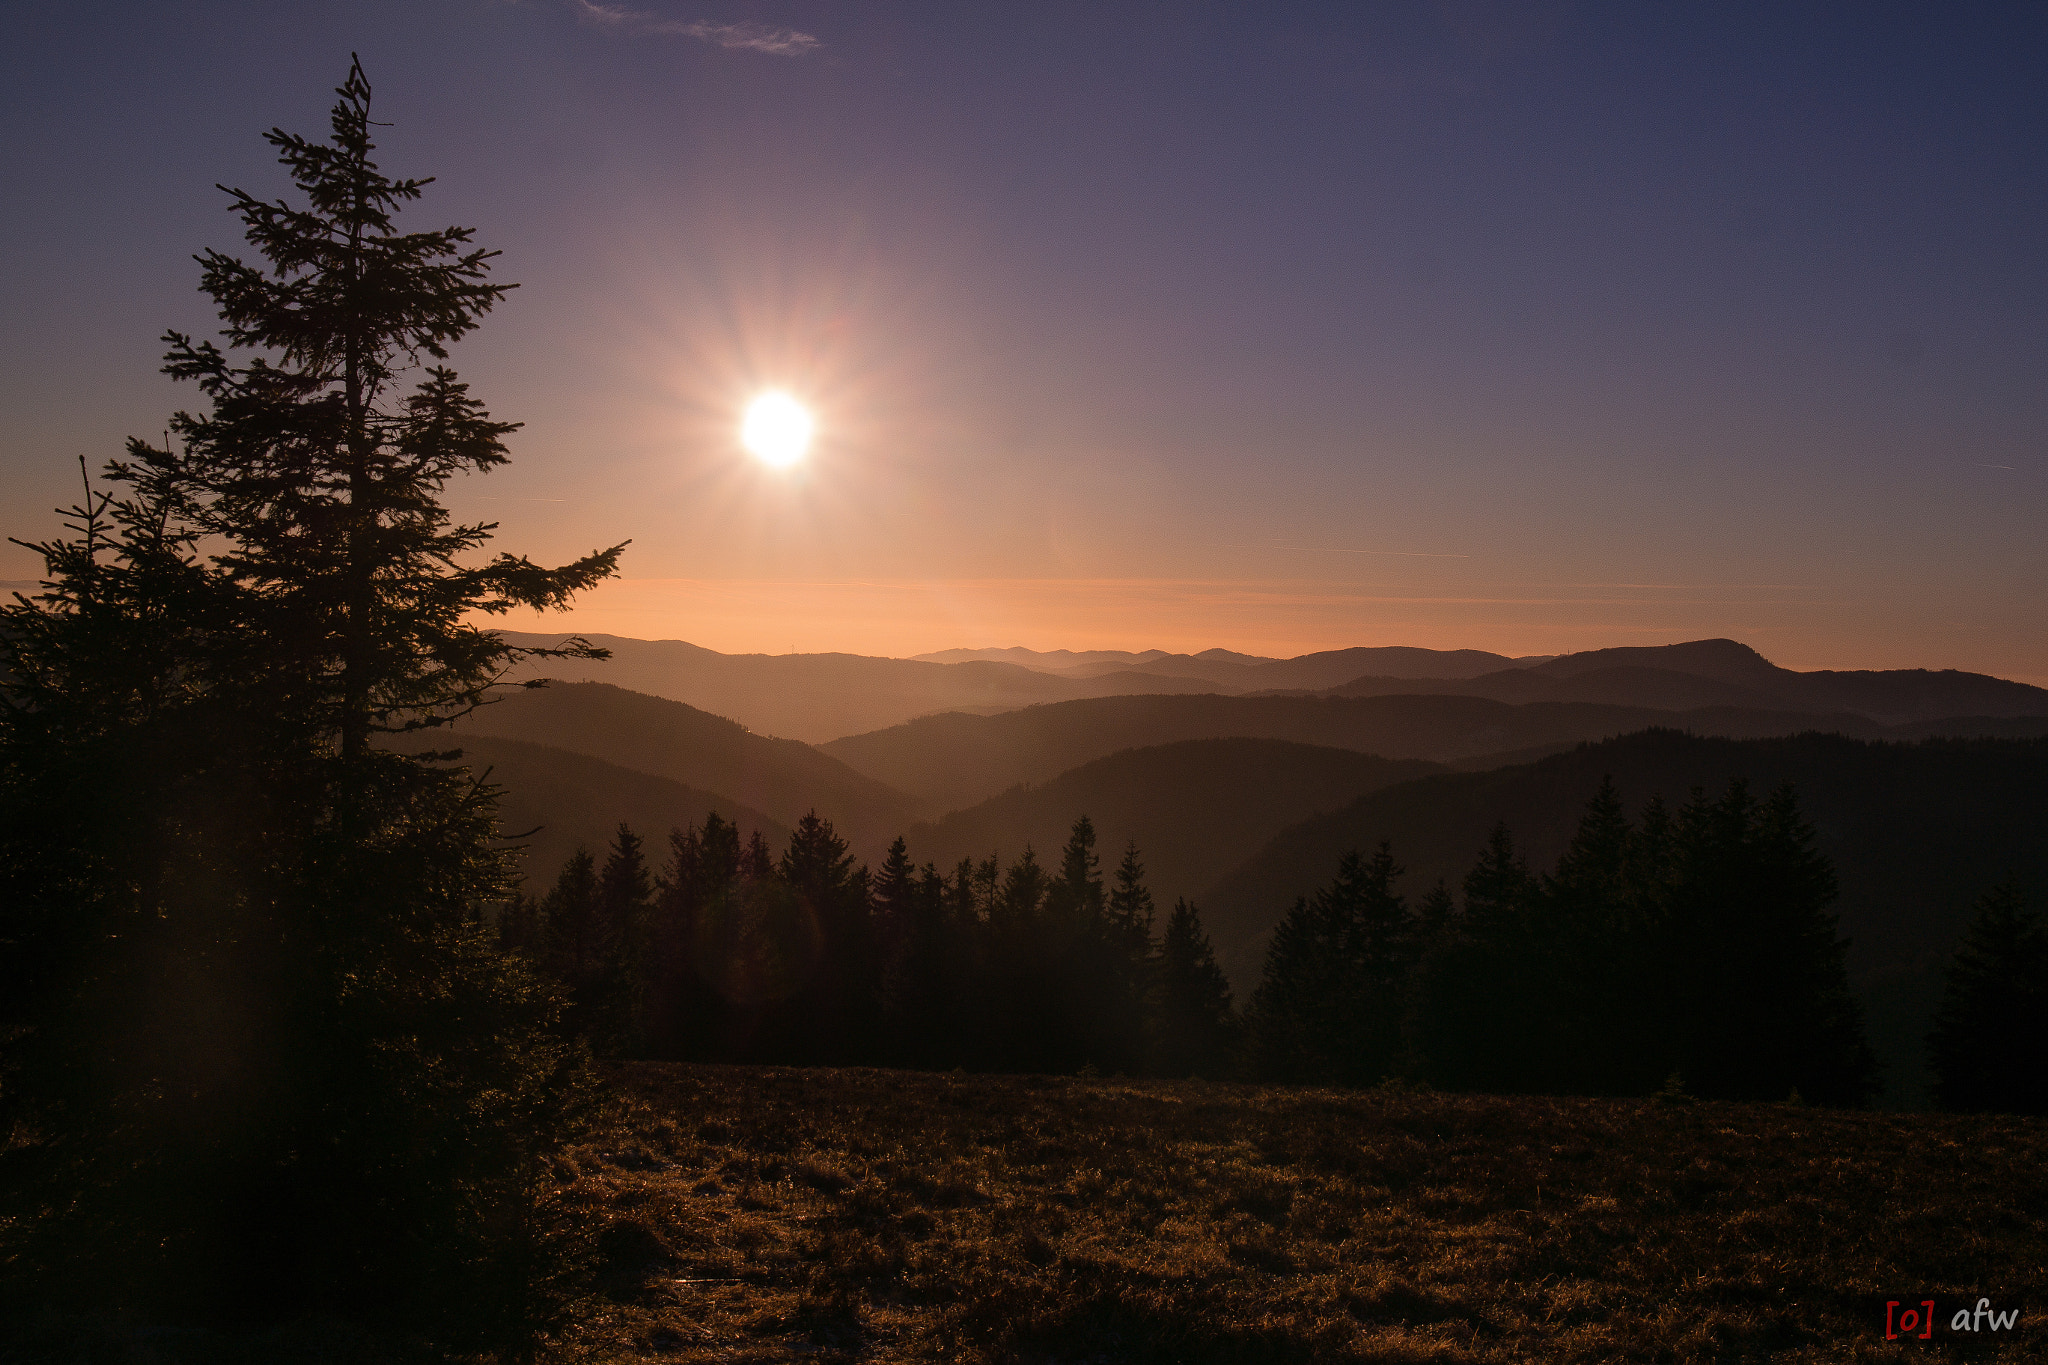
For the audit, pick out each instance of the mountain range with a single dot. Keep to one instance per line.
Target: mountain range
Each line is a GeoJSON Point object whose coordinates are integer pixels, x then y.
{"type": "Point", "coordinates": [1243, 801]}
{"type": "Point", "coordinates": [784, 778]}
{"type": "Point", "coordinates": [1191, 808]}
{"type": "Point", "coordinates": [822, 697]}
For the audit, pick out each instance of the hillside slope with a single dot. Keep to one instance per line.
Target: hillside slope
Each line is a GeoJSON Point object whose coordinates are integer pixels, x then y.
{"type": "Point", "coordinates": [571, 800]}
{"type": "Point", "coordinates": [1916, 832]}
{"type": "Point", "coordinates": [816, 697]}
{"type": "Point", "coordinates": [954, 760]}
{"type": "Point", "coordinates": [1196, 808]}
{"type": "Point", "coordinates": [781, 777]}
{"type": "Point", "coordinates": [1726, 673]}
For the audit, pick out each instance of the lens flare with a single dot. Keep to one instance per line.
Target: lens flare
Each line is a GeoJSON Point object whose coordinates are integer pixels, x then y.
{"type": "Point", "coordinates": [777, 429]}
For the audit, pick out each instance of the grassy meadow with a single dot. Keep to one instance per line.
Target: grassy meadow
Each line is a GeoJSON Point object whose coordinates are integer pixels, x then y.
{"type": "Point", "coordinates": [769, 1214]}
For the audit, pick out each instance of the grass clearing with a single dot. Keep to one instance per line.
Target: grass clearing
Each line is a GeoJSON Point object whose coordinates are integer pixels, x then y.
{"type": "Point", "coordinates": [771, 1214]}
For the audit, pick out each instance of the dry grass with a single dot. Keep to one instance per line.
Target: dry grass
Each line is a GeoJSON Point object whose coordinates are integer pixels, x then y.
{"type": "Point", "coordinates": [760, 1214]}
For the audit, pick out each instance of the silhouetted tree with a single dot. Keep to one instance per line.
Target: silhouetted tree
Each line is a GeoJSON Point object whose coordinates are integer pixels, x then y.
{"type": "Point", "coordinates": [1073, 968]}
{"type": "Point", "coordinates": [1776, 1014]}
{"type": "Point", "coordinates": [1989, 1045]}
{"type": "Point", "coordinates": [577, 933]}
{"type": "Point", "coordinates": [911, 912]}
{"type": "Point", "coordinates": [1583, 954]}
{"type": "Point", "coordinates": [1193, 1028]}
{"type": "Point", "coordinates": [520, 927]}
{"type": "Point", "coordinates": [1329, 1007]}
{"type": "Point", "coordinates": [1019, 1024]}
{"type": "Point", "coordinates": [1123, 945]}
{"type": "Point", "coordinates": [1477, 999]}
{"type": "Point", "coordinates": [1477, 1010]}
{"type": "Point", "coordinates": [625, 896]}
{"type": "Point", "coordinates": [257, 1006]}
{"type": "Point", "coordinates": [834, 1015]}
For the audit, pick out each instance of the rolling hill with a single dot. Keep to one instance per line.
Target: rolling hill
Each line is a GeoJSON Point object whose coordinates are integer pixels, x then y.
{"type": "Point", "coordinates": [954, 760]}
{"type": "Point", "coordinates": [821, 697]}
{"type": "Point", "coordinates": [1916, 831]}
{"type": "Point", "coordinates": [1232, 672]}
{"type": "Point", "coordinates": [1725, 673]}
{"type": "Point", "coordinates": [816, 697]}
{"type": "Point", "coordinates": [1196, 808]}
{"type": "Point", "coordinates": [781, 777]}
{"type": "Point", "coordinates": [572, 800]}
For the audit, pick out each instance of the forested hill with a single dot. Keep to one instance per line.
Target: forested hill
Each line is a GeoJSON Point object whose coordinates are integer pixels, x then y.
{"type": "Point", "coordinates": [954, 760]}
{"type": "Point", "coordinates": [1195, 808]}
{"type": "Point", "coordinates": [558, 801]}
{"type": "Point", "coordinates": [823, 697]}
{"type": "Point", "coordinates": [781, 777]}
{"type": "Point", "coordinates": [1725, 673]}
{"type": "Point", "coordinates": [816, 697]}
{"type": "Point", "coordinates": [1916, 831]}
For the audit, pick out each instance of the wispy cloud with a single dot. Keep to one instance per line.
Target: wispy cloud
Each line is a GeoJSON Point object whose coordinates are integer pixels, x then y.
{"type": "Point", "coordinates": [744, 36]}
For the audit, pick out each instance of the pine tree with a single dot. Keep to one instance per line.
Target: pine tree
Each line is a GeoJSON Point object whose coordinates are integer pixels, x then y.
{"type": "Point", "coordinates": [835, 1017]}
{"type": "Point", "coordinates": [1021, 1029]}
{"type": "Point", "coordinates": [1989, 1045]}
{"type": "Point", "coordinates": [892, 913]}
{"type": "Point", "coordinates": [1330, 1005]}
{"type": "Point", "coordinates": [1778, 1015]}
{"type": "Point", "coordinates": [625, 902]}
{"type": "Point", "coordinates": [1193, 1027]}
{"type": "Point", "coordinates": [1077, 977]}
{"type": "Point", "coordinates": [195, 817]}
{"type": "Point", "coordinates": [1130, 966]}
{"type": "Point", "coordinates": [1478, 1006]}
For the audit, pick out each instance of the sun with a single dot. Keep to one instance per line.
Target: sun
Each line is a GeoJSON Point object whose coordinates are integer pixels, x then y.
{"type": "Point", "coordinates": [777, 429]}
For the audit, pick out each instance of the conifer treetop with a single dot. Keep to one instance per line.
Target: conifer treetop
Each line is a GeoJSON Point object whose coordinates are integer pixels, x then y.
{"type": "Point", "coordinates": [315, 482]}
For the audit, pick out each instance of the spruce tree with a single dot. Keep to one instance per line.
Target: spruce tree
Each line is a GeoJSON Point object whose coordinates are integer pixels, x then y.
{"type": "Point", "coordinates": [1076, 974]}
{"type": "Point", "coordinates": [1193, 1029]}
{"type": "Point", "coordinates": [1021, 1029]}
{"type": "Point", "coordinates": [1478, 1013]}
{"type": "Point", "coordinates": [1778, 1015]}
{"type": "Point", "coordinates": [625, 896]}
{"type": "Point", "coordinates": [578, 936]}
{"type": "Point", "coordinates": [1330, 1005]}
{"type": "Point", "coordinates": [1989, 1045]}
{"type": "Point", "coordinates": [835, 1016]}
{"type": "Point", "coordinates": [1129, 965]}
{"type": "Point", "coordinates": [287, 1066]}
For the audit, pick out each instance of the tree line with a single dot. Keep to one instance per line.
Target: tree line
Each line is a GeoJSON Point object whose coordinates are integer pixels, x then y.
{"type": "Point", "coordinates": [1694, 948]}
{"type": "Point", "coordinates": [725, 951]}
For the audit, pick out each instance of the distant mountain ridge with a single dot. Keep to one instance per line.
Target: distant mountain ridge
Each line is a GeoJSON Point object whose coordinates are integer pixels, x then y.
{"type": "Point", "coordinates": [784, 778]}
{"type": "Point", "coordinates": [816, 697]}
{"type": "Point", "coordinates": [1195, 808]}
{"type": "Point", "coordinates": [954, 759]}
{"type": "Point", "coordinates": [556, 801]}
{"type": "Point", "coordinates": [1233, 672]}
{"type": "Point", "coordinates": [825, 697]}
{"type": "Point", "coordinates": [1726, 673]}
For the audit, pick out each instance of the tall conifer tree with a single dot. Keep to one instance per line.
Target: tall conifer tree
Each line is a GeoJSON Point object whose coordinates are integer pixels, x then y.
{"type": "Point", "coordinates": [191, 701]}
{"type": "Point", "coordinates": [1193, 1027]}
{"type": "Point", "coordinates": [1989, 1045]}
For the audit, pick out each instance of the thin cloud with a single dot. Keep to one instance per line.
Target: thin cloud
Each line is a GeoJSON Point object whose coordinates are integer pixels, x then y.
{"type": "Point", "coordinates": [745, 36]}
{"type": "Point", "coordinates": [1333, 550]}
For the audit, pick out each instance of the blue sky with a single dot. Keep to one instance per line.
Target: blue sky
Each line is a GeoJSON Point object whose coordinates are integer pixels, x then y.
{"type": "Point", "coordinates": [1518, 326]}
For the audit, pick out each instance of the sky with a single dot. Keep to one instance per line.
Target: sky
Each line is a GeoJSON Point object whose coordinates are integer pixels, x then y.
{"type": "Point", "coordinates": [1521, 326]}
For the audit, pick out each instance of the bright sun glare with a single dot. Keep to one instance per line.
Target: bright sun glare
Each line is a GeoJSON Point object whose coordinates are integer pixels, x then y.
{"type": "Point", "coordinates": [777, 429]}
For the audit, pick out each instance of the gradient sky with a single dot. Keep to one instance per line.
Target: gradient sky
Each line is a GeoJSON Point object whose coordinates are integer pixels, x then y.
{"type": "Point", "coordinates": [1281, 327]}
